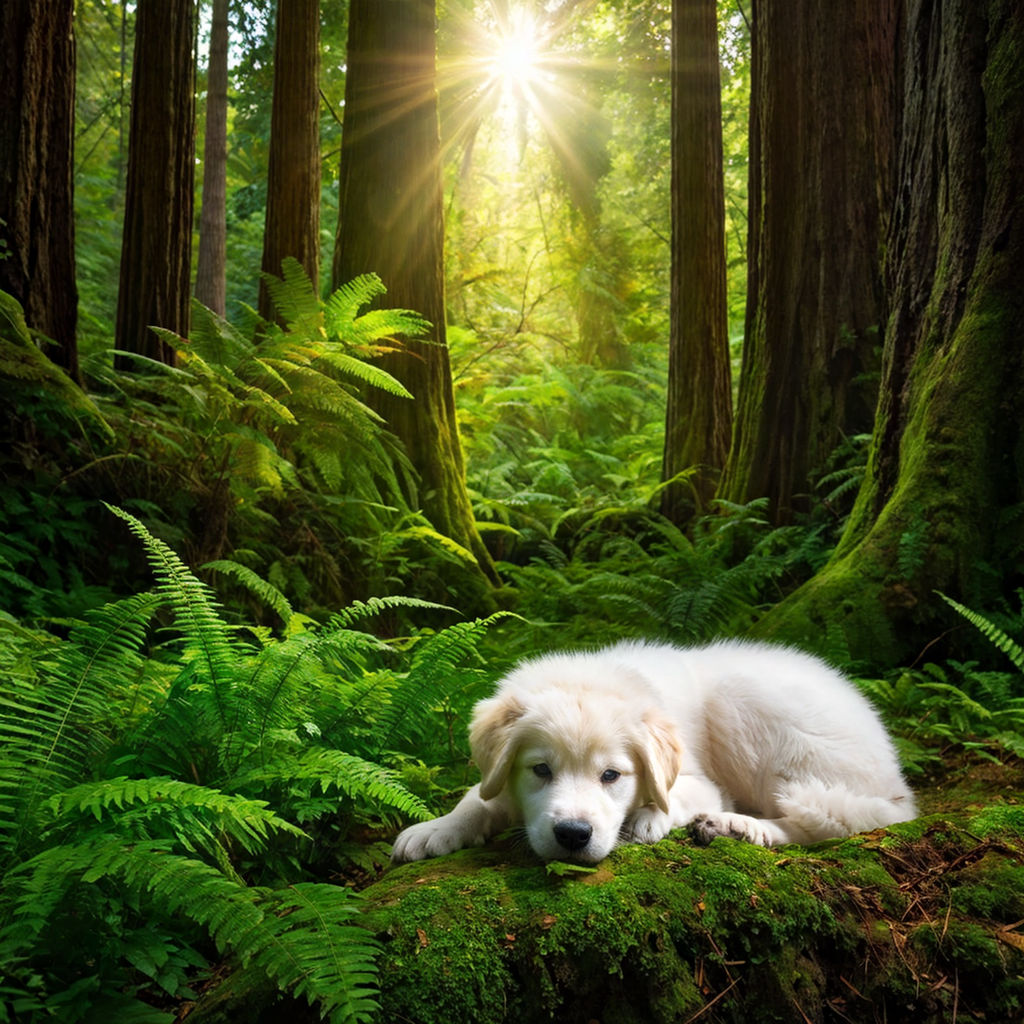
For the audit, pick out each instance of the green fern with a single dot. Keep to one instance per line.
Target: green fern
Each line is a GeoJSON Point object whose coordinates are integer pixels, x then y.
{"type": "Point", "coordinates": [360, 780]}
{"type": "Point", "coordinates": [48, 729]}
{"type": "Point", "coordinates": [996, 636]}
{"type": "Point", "coordinates": [434, 676]}
{"type": "Point", "coordinates": [266, 592]}
{"type": "Point", "coordinates": [302, 938]}
{"type": "Point", "coordinates": [198, 816]}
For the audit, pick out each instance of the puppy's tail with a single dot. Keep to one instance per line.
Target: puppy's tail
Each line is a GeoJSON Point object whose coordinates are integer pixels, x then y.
{"type": "Point", "coordinates": [821, 812]}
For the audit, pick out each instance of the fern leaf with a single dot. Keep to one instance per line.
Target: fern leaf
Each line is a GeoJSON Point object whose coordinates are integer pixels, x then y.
{"type": "Point", "coordinates": [303, 938]}
{"type": "Point", "coordinates": [360, 780]}
{"type": "Point", "coordinates": [365, 372]}
{"type": "Point", "coordinates": [208, 641]}
{"type": "Point", "coordinates": [376, 605]}
{"type": "Point", "coordinates": [215, 339]}
{"type": "Point", "coordinates": [156, 799]}
{"type": "Point", "coordinates": [293, 295]}
{"type": "Point", "coordinates": [49, 730]}
{"type": "Point", "coordinates": [266, 592]}
{"type": "Point", "coordinates": [1002, 640]}
{"type": "Point", "coordinates": [344, 304]}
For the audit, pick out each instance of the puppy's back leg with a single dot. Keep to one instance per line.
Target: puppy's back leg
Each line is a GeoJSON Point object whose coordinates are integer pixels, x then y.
{"type": "Point", "coordinates": [809, 813]}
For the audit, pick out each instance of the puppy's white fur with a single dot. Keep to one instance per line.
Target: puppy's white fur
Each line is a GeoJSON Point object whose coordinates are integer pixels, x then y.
{"type": "Point", "coordinates": [587, 750]}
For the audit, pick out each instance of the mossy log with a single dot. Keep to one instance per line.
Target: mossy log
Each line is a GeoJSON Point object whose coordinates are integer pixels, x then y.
{"type": "Point", "coordinates": [919, 922]}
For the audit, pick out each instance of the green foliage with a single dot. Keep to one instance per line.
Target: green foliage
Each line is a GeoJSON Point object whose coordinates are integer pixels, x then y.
{"type": "Point", "coordinates": [998, 637]}
{"type": "Point", "coordinates": [961, 706]}
{"type": "Point", "coordinates": [174, 796]}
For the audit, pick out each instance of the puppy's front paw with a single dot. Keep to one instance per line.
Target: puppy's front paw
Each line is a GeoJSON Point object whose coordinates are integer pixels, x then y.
{"type": "Point", "coordinates": [648, 825]}
{"type": "Point", "coordinates": [706, 827]}
{"type": "Point", "coordinates": [430, 839]}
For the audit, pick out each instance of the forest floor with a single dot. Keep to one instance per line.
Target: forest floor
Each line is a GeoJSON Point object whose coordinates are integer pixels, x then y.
{"type": "Point", "coordinates": [923, 922]}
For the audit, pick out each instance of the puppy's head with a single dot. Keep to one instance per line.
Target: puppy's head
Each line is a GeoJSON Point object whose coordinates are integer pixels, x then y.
{"type": "Point", "coordinates": [574, 762]}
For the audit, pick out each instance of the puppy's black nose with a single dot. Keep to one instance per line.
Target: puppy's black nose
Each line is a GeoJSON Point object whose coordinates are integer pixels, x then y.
{"type": "Point", "coordinates": [573, 835]}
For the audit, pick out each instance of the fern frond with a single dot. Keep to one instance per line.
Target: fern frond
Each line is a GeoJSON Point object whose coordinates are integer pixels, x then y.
{"type": "Point", "coordinates": [293, 294]}
{"type": "Point", "coordinates": [996, 636]}
{"type": "Point", "coordinates": [51, 729]}
{"type": "Point", "coordinates": [309, 944]}
{"type": "Point", "coordinates": [215, 339]}
{"type": "Point", "coordinates": [365, 372]}
{"type": "Point", "coordinates": [360, 780]}
{"type": "Point", "coordinates": [433, 676]}
{"type": "Point", "coordinates": [192, 812]}
{"type": "Point", "coordinates": [302, 937]}
{"type": "Point", "coordinates": [376, 605]}
{"type": "Point", "coordinates": [209, 646]}
{"type": "Point", "coordinates": [266, 592]}
{"type": "Point", "coordinates": [345, 302]}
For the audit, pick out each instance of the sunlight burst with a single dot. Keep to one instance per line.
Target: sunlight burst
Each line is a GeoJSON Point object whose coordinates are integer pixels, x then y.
{"type": "Point", "coordinates": [517, 53]}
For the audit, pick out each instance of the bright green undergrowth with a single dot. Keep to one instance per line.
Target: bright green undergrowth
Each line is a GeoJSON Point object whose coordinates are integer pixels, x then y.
{"type": "Point", "coordinates": [175, 789]}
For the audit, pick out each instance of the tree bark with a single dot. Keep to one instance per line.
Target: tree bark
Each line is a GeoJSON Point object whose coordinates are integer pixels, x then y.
{"type": "Point", "coordinates": [391, 222]}
{"type": "Point", "coordinates": [293, 179]}
{"type": "Point", "coordinates": [157, 241]}
{"type": "Point", "coordinates": [37, 114]}
{"type": "Point", "coordinates": [699, 414]}
{"type": "Point", "coordinates": [936, 510]}
{"type": "Point", "coordinates": [823, 133]}
{"type": "Point", "coordinates": [211, 266]}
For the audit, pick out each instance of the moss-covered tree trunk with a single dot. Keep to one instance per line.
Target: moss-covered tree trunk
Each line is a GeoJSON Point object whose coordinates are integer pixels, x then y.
{"type": "Point", "coordinates": [156, 248]}
{"type": "Point", "coordinates": [292, 225]}
{"type": "Point", "coordinates": [699, 413]}
{"type": "Point", "coordinates": [940, 506]}
{"type": "Point", "coordinates": [391, 222]}
{"type": "Point", "coordinates": [37, 115]}
{"type": "Point", "coordinates": [822, 145]}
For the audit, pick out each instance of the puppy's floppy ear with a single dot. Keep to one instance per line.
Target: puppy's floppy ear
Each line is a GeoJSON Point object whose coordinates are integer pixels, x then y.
{"type": "Point", "coordinates": [490, 740]}
{"type": "Point", "coordinates": [661, 755]}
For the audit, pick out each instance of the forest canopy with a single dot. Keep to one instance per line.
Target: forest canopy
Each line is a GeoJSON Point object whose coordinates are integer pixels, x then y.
{"type": "Point", "coordinates": [352, 349]}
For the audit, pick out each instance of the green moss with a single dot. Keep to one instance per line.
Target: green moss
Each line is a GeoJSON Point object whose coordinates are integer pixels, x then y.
{"type": "Point", "coordinates": [659, 931]}
{"type": "Point", "coordinates": [898, 924]}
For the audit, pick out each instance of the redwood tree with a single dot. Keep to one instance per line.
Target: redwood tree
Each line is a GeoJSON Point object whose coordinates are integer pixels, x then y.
{"type": "Point", "coordinates": [391, 222]}
{"type": "Point", "coordinates": [822, 145]}
{"type": "Point", "coordinates": [293, 179]}
{"type": "Point", "coordinates": [156, 246]}
{"type": "Point", "coordinates": [37, 114]}
{"type": "Point", "coordinates": [211, 264]}
{"type": "Point", "coordinates": [699, 397]}
{"type": "Point", "coordinates": [939, 509]}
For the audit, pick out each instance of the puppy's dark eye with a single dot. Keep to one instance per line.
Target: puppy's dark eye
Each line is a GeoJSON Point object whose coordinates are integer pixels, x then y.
{"type": "Point", "coordinates": [610, 775]}
{"type": "Point", "coordinates": [542, 771]}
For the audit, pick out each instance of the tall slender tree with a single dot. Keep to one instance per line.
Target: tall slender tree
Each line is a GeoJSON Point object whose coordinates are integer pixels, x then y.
{"type": "Point", "coordinates": [940, 506]}
{"type": "Point", "coordinates": [211, 265]}
{"type": "Point", "coordinates": [699, 411]}
{"type": "Point", "coordinates": [37, 114]}
{"type": "Point", "coordinates": [293, 179]}
{"type": "Point", "coordinates": [391, 221]}
{"type": "Point", "coordinates": [156, 246]}
{"type": "Point", "coordinates": [822, 147]}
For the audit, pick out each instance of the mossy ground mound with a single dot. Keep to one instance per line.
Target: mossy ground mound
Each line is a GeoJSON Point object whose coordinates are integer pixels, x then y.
{"type": "Point", "coordinates": [922, 922]}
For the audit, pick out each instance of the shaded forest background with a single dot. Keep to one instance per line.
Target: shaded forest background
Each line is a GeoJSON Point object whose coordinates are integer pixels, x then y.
{"type": "Point", "coordinates": [427, 336]}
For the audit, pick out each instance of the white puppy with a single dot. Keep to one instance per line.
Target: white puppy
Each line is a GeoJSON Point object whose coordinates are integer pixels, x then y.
{"type": "Point", "coordinates": [587, 750]}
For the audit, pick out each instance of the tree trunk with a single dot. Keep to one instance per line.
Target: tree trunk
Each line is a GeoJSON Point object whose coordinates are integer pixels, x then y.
{"type": "Point", "coordinates": [937, 509]}
{"type": "Point", "coordinates": [157, 241]}
{"type": "Point", "coordinates": [211, 284]}
{"type": "Point", "coordinates": [822, 147]}
{"type": "Point", "coordinates": [37, 114]}
{"type": "Point", "coordinates": [293, 179]}
{"type": "Point", "coordinates": [391, 222]}
{"type": "Point", "coordinates": [699, 411]}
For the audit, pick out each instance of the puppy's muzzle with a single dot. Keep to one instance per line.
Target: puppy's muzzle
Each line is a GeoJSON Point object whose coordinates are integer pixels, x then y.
{"type": "Point", "coordinates": [573, 834]}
